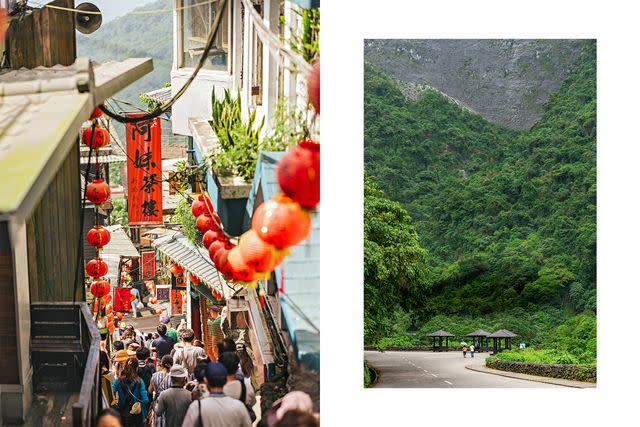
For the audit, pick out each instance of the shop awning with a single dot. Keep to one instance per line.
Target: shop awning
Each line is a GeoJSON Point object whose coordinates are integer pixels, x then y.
{"type": "Point", "coordinates": [194, 259]}
{"type": "Point", "coordinates": [120, 244]}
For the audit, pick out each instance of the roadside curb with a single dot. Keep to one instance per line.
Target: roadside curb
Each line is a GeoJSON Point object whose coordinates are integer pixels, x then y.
{"type": "Point", "coordinates": [555, 381]}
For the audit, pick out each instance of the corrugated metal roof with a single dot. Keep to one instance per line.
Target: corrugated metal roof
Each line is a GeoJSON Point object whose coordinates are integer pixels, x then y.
{"type": "Point", "coordinates": [120, 243]}
{"type": "Point", "coordinates": [41, 111]}
{"type": "Point", "coordinates": [300, 271]}
{"type": "Point", "coordinates": [194, 259]}
{"type": "Point", "coordinates": [161, 95]}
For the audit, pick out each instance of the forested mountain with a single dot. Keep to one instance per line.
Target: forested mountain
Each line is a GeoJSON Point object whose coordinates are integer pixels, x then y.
{"type": "Point", "coordinates": [508, 218]}
{"type": "Point", "coordinates": [135, 36]}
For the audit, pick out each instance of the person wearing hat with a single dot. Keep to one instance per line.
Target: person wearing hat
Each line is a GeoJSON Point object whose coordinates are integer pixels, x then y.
{"type": "Point", "coordinates": [216, 410]}
{"type": "Point", "coordinates": [119, 361]}
{"type": "Point", "coordinates": [172, 404]}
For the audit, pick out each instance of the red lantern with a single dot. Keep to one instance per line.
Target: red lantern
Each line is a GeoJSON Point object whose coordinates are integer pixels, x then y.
{"type": "Point", "coordinates": [109, 311]}
{"type": "Point", "coordinates": [281, 222]}
{"type": "Point", "coordinates": [98, 236]}
{"type": "Point", "coordinates": [299, 174]}
{"type": "Point", "coordinates": [106, 299]}
{"type": "Point", "coordinates": [153, 300]}
{"type": "Point", "coordinates": [240, 270]}
{"type": "Point", "coordinates": [193, 279]}
{"type": "Point", "coordinates": [258, 254]}
{"type": "Point", "coordinates": [149, 286]}
{"type": "Point", "coordinates": [100, 288]}
{"type": "Point", "coordinates": [217, 255]}
{"type": "Point", "coordinates": [97, 113]}
{"type": "Point", "coordinates": [111, 328]}
{"type": "Point", "coordinates": [207, 222]}
{"type": "Point", "coordinates": [100, 137]}
{"type": "Point", "coordinates": [176, 270]}
{"type": "Point", "coordinates": [119, 315]}
{"type": "Point", "coordinates": [97, 268]}
{"type": "Point", "coordinates": [159, 311]}
{"type": "Point", "coordinates": [313, 86]}
{"type": "Point", "coordinates": [213, 248]}
{"type": "Point", "coordinates": [209, 237]}
{"type": "Point", "coordinates": [223, 263]}
{"type": "Point", "coordinates": [201, 205]}
{"type": "Point", "coordinates": [98, 192]}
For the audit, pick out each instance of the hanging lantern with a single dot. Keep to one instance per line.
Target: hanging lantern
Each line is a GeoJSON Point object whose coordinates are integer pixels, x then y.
{"type": "Point", "coordinates": [207, 222]}
{"type": "Point", "coordinates": [106, 299]}
{"type": "Point", "coordinates": [223, 264]}
{"type": "Point", "coordinates": [281, 222]}
{"type": "Point", "coordinates": [97, 268]}
{"type": "Point", "coordinates": [97, 113]}
{"type": "Point", "coordinates": [240, 270]}
{"type": "Point", "coordinates": [258, 254]}
{"type": "Point", "coordinates": [100, 288]}
{"type": "Point", "coordinates": [217, 255]}
{"type": "Point", "coordinates": [153, 300]}
{"type": "Point", "coordinates": [176, 270]}
{"type": "Point", "coordinates": [111, 328]}
{"type": "Point", "coordinates": [299, 174]}
{"type": "Point", "coordinates": [100, 137]}
{"type": "Point", "coordinates": [159, 311]}
{"type": "Point", "coordinates": [98, 236]}
{"type": "Point", "coordinates": [201, 205]}
{"type": "Point", "coordinates": [193, 279]}
{"type": "Point", "coordinates": [109, 310]}
{"type": "Point", "coordinates": [96, 302]}
{"type": "Point", "coordinates": [120, 315]}
{"type": "Point", "coordinates": [313, 86]}
{"type": "Point", "coordinates": [209, 237]}
{"type": "Point", "coordinates": [261, 298]}
{"type": "Point", "coordinates": [149, 286]}
{"type": "Point", "coordinates": [214, 247]}
{"type": "Point", "coordinates": [98, 192]}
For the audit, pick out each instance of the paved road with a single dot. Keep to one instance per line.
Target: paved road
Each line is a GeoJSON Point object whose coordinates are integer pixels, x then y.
{"type": "Point", "coordinates": [417, 369]}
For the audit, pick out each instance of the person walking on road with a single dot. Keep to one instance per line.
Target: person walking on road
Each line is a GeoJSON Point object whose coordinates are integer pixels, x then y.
{"type": "Point", "coordinates": [237, 386]}
{"type": "Point", "coordinates": [171, 332]}
{"type": "Point", "coordinates": [464, 351]}
{"type": "Point", "coordinates": [472, 350]}
{"type": "Point", "coordinates": [217, 410]}
{"type": "Point", "coordinates": [173, 403]}
{"type": "Point", "coordinates": [132, 395]}
{"type": "Point", "coordinates": [188, 354]}
{"type": "Point", "coordinates": [164, 343]}
{"type": "Point", "coordinates": [135, 300]}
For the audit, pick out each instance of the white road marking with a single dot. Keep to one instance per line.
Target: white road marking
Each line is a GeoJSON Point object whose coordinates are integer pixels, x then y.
{"type": "Point", "coordinates": [426, 371]}
{"type": "Point", "coordinates": [448, 382]}
{"type": "Point", "coordinates": [434, 375]}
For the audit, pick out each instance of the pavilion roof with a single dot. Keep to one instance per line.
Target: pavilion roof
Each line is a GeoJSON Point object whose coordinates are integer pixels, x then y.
{"type": "Point", "coordinates": [502, 333]}
{"type": "Point", "coordinates": [440, 333]}
{"type": "Point", "coordinates": [478, 333]}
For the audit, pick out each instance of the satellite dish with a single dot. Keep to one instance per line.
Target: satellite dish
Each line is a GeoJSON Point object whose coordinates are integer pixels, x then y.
{"type": "Point", "coordinates": [87, 21]}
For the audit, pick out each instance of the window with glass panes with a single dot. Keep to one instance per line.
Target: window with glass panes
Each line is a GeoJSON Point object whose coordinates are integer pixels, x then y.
{"type": "Point", "coordinates": [197, 18]}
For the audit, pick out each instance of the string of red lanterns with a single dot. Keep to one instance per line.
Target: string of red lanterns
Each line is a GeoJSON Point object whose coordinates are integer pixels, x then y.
{"type": "Point", "coordinates": [279, 223]}
{"type": "Point", "coordinates": [98, 192]}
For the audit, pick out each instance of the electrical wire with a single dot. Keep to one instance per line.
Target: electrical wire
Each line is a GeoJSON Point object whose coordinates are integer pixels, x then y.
{"type": "Point", "coordinates": [165, 107]}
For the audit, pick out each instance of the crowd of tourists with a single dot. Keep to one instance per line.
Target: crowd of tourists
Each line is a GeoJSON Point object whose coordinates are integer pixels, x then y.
{"type": "Point", "coordinates": [166, 379]}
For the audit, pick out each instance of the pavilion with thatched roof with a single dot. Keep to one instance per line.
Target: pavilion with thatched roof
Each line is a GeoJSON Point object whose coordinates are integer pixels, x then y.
{"type": "Point", "coordinates": [440, 335]}
{"type": "Point", "coordinates": [500, 335]}
{"type": "Point", "coordinates": [480, 341]}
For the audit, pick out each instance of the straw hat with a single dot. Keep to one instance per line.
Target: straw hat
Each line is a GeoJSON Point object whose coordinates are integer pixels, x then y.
{"type": "Point", "coordinates": [121, 356]}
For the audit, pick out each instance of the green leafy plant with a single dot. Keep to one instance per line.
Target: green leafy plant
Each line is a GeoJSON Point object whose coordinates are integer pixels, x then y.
{"type": "Point", "coordinates": [119, 214]}
{"type": "Point", "coordinates": [185, 174]}
{"type": "Point", "coordinates": [306, 40]}
{"type": "Point", "coordinates": [183, 216]}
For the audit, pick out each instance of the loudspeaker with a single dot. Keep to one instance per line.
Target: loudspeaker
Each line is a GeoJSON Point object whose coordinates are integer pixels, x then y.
{"type": "Point", "coordinates": [87, 20]}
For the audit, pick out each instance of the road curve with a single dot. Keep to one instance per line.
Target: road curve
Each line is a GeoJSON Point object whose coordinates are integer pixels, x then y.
{"type": "Point", "coordinates": [419, 369]}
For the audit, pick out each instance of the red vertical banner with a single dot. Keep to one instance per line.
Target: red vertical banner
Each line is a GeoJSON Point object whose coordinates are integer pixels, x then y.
{"type": "Point", "coordinates": [144, 171]}
{"type": "Point", "coordinates": [122, 300]}
{"type": "Point", "coordinates": [176, 302]}
{"type": "Point", "coordinates": [148, 264]}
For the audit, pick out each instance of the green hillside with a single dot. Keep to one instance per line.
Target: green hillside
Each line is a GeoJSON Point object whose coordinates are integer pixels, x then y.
{"type": "Point", "coordinates": [508, 217]}
{"type": "Point", "coordinates": [132, 36]}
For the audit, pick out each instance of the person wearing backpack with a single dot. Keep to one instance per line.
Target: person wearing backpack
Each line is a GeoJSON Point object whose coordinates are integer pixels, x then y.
{"type": "Point", "coordinates": [132, 395]}
{"type": "Point", "coordinates": [237, 386]}
{"type": "Point", "coordinates": [187, 354]}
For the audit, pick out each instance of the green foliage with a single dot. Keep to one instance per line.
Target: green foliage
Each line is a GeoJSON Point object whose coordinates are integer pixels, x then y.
{"type": "Point", "coordinates": [367, 375]}
{"type": "Point", "coordinates": [395, 265]}
{"type": "Point", "coordinates": [184, 217]}
{"type": "Point", "coordinates": [306, 39]}
{"type": "Point", "coordinates": [507, 218]}
{"type": "Point", "coordinates": [119, 214]}
{"type": "Point", "coordinates": [185, 174]}
{"type": "Point", "coordinates": [114, 173]}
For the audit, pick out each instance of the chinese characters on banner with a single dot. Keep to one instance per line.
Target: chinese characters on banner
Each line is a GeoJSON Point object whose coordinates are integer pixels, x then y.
{"type": "Point", "coordinates": [148, 264]}
{"type": "Point", "coordinates": [122, 300]}
{"type": "Point", "coordinates": [144, 171]}
{"type": "Point", "coordinates": [176, 302]}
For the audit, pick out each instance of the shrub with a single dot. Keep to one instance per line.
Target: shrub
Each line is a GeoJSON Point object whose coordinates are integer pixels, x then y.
{"type": "Point", "coordinates": [567, 372]}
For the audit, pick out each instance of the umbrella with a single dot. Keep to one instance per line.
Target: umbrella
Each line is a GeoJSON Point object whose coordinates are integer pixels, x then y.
{"type": "Point", "coordinates": [463, 343]}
